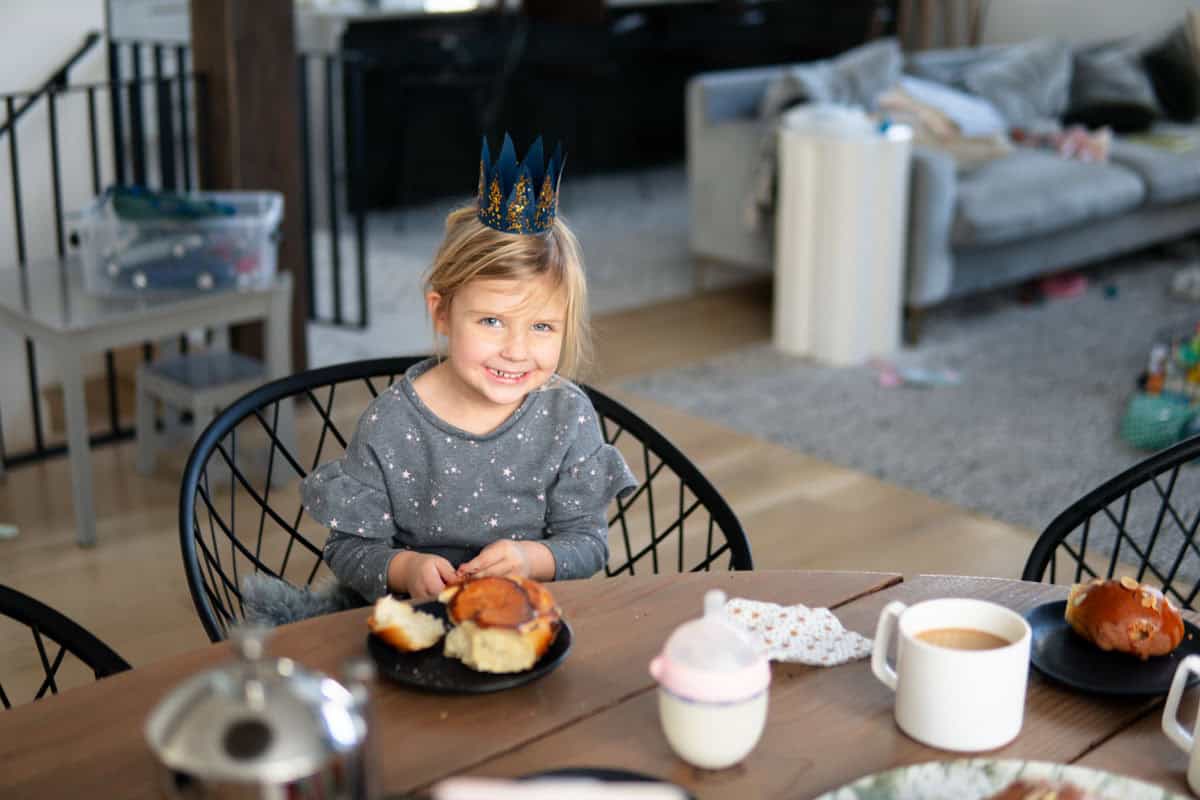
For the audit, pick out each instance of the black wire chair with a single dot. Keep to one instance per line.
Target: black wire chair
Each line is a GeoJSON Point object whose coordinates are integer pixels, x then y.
{"type": "Point", "coordinates": [1142, 523]}
{"type": "Point", "coordinates": [51, 629]}
{"type": "Point", "coordinates": [240, 510]}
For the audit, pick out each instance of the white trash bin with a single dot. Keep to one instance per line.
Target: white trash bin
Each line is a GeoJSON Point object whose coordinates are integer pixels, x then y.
{"type": "Point", "coordinates": [840, 230]}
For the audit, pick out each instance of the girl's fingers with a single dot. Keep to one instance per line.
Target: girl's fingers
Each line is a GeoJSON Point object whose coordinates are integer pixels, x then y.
{"type": "Point", "coordinates": [445, 570]}
{"type": "Point", "coordinates": [481, 562]}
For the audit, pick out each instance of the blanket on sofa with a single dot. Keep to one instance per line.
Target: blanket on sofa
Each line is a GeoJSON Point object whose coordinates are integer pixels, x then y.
{"type": "Point", "coordinates": [855, 78]}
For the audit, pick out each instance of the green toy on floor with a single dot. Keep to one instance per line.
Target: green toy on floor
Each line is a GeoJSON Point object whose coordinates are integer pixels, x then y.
{"type": "Point", "coordinates": [1164, 410]}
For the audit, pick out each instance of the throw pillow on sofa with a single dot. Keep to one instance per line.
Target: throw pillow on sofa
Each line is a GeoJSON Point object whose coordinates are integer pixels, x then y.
{"type": "Point", "coordinates": [1029, 83]}
{"type": "Point", "coordinates": [1173, 72]}
{"type": "Point", "coordinates": [1109, 88]}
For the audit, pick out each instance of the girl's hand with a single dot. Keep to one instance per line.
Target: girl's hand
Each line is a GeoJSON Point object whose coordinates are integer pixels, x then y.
{"type": "Point", "coordinates": [506, 557]}
{"type": "Point", "coordinates": [420, 575]}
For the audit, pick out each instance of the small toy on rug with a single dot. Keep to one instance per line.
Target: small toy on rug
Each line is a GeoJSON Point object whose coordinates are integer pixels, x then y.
{"type": "Point", "coordinates": [1185, 283]}
{"type": "Point", "coordinates": [1163, 410]}
{"type": "Point", "coordinates": [891, 376]}
{"type": "Point", "coordinates": [8, 531]}
{"type": "Point", "coordinates": [1063, 285]}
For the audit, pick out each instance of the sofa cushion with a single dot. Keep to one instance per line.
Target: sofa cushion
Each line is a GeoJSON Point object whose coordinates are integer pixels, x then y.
{"type": "Point", "coordinates": [1033, 192]}
{"type": "Point", "coordinates": [1169, 177]}
{"type": "Point", "coordinates": [1030, 83]}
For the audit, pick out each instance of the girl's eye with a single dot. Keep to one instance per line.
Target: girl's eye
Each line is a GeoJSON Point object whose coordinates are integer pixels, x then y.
{"type": "Point", "coordinates": [543, 327]}
{"type": "Point", "coordinates": [490, 322]}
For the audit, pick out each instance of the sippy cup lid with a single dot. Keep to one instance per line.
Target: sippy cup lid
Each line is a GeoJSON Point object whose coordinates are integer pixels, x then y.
{"type": "Point", "coordinates": [710, 659]}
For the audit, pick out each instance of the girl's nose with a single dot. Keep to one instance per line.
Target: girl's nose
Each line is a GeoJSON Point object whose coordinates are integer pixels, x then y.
{"type": "Point", "coordinates": [515, 346]}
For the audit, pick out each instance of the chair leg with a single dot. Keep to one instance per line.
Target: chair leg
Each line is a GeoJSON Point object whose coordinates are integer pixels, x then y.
{"type": "Point", "coordinates": [914, 318]}
{"type": "Point", "coordinates": [146, 436]}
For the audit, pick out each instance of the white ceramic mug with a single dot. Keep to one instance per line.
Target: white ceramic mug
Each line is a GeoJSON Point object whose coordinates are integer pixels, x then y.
{"type": "Point", "coordinates": [954, 699]}
{"type": "Point", "coordinates": [1170, 720]}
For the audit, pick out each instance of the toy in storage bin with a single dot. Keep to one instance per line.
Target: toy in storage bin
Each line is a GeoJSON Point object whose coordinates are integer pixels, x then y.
{"type": "Point", "coordinates": [135, 241]}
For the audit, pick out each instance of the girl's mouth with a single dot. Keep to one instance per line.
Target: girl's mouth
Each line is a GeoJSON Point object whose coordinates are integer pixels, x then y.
{"type": "Point", "coordinates": [512, 377]}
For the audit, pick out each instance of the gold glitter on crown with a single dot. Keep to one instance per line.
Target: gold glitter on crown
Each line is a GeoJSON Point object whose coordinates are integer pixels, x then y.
{"type": "Point", "coordinates": [519, 197]}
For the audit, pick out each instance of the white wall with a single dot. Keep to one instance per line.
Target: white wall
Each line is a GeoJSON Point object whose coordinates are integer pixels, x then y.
{"type": "Point", "coordinates": [1079, 20]}
{"type": "Point", "coordinates": [35, 37]}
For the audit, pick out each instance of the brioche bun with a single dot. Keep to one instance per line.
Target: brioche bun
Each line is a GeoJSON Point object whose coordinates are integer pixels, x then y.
{"type": "Point", "coordinates": [1125, 616]}
{"type": "Point", "coordinates": [500, 624]}
{"type": "Point", "coordinates": [402, 626]}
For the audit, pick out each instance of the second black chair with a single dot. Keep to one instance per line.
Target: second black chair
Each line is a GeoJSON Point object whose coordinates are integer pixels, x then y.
{"type": "Point", "coordinates": [233, 522]}
{"type": "Point", "coordinates": [54, 638]}
{"type": "Point", "coordinates": [1141, 523]}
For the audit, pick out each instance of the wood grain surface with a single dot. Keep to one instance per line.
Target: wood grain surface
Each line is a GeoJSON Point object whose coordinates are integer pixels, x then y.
{"type": "Point", "coordinates": [88, 741]}
{"type": "Point", "coordinates": [829, 726]}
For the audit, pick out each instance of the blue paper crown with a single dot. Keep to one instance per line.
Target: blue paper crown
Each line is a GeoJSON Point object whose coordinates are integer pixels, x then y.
{"type": "Point", "coordinates": [519, 198]}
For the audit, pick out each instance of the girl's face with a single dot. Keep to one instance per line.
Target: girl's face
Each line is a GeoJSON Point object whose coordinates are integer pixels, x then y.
{"type": "Point", "coordinates": [504, 337]}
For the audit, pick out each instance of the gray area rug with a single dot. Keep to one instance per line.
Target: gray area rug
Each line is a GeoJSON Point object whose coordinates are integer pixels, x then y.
{"type": "Point", "coordinates": [1031, 428]}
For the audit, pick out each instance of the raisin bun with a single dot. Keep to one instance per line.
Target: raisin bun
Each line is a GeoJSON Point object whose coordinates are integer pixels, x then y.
{"type": "Point", "coordinates": [402, 626]}
{"type": "Point", "coordinates": [500, 624]}
{"type": "Point", "coordinates": [1125, 616]}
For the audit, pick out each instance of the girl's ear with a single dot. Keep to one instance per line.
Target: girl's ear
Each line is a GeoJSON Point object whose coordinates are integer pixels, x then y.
{"type": "Point", "coordinates": [438, 312]}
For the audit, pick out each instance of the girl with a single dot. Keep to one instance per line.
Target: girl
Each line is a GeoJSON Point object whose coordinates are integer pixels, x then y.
{"type": "Point", "coordinates": [482, 460]}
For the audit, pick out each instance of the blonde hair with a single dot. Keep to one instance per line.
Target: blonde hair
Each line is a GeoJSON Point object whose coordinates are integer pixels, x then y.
{"type": "Point", "coordinates": [472, 251]}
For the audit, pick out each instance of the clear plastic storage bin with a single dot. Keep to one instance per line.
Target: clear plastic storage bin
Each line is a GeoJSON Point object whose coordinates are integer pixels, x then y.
{"type": "Point", "coordinates": [133, 241]}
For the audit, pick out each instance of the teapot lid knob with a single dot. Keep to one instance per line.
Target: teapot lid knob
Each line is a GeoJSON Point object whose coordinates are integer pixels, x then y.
{"type": "Point", "coordinates": [249, 641]}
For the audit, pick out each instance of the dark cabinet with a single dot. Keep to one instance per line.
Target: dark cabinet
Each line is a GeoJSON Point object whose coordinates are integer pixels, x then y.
{"type": "Point", "coordinates": [611, 89]}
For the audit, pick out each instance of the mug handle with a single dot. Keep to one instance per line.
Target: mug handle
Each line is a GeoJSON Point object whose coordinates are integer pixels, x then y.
{"type": "Point", "coordinates": [883, 636]}
{"type": "Point", "coordinates": [1170, 719]}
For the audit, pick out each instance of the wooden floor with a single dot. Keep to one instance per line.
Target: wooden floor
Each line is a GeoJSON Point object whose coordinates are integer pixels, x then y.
{"type": "Point", "coordinates": [799, 512]}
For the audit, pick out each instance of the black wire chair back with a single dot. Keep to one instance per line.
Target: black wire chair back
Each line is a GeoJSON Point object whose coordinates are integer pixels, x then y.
{"type": "Point", "coordinates": [55, 637]}
{"type": "Point", "coordinates": [1141, 523]}
{"type": "Point", "coordinates": [240, 511]}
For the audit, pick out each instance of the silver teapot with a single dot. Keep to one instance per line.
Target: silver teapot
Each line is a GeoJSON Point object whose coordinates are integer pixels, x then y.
{"type": "Point", "coordinates": [264, 728]}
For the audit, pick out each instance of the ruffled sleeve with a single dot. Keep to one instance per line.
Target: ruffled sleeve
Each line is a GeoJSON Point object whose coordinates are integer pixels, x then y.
{"type": "Point", "coordinates": [350, 494]}
{"type": "Point", "coordinates": [591, 475]}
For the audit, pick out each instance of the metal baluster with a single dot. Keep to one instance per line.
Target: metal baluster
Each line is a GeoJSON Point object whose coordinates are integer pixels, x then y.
{"type": "Point", "coordinates": [359, 170]}
{"type": "Point", "coordinates": [331, 175]}
{"type": "Point", "coordinates": [306, 177]}
{"type": "Point", "coordinates": [184, 144]}
{"type": "Point", "coordinates": [93, 139]}
{"type": "Point", "coordinates": [39, 436]}
{"type": "Point", "coordinates": [56, 183]}
{"type": "Point", "coordinates": [114, 96]}
{"type": "Point", "coordinates": [166, 123]}
{"type": "Point", "coordinates": [110, 362]}
{"type": "Point", "coordinates": [137, 130]}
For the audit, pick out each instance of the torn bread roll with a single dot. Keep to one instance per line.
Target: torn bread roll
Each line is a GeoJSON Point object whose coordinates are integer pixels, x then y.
{"type": "Point", "coordinates": [402, 626]}
{"type": "Point", "coordinates": [1125, 616]}
{"type": "Point", "coordinates": [500, 624]}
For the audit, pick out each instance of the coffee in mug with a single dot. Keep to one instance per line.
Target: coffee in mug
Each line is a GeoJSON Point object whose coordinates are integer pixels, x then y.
{"type": "Point", "coordinates": [963, 639]}
{"type": "Point", "coordinates": [961, 670]}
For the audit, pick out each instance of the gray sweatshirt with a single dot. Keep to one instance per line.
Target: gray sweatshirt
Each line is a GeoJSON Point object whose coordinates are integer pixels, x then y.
{"type": "Point", "coordinates": [411, 481]}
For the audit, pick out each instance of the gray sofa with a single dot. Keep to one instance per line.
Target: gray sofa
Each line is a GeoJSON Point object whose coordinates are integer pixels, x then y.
{"type": "Point", "coordinates": [1023, 215]}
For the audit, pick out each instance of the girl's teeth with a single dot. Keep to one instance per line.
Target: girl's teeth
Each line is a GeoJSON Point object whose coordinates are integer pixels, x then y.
{"type": "Point", "coordinates": [509, 375]}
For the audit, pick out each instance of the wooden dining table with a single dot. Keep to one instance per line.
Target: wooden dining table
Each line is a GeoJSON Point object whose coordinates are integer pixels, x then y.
{"type": "Point", "coordinates": [826, 726]}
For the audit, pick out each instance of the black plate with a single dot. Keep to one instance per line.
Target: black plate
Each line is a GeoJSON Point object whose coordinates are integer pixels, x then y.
{"type": "Point", "coordinates": [606, 774]}
{"type": "Point", "coordinates": [1059, 653]}
{"type": "Point", "coordinates": [430, 670]}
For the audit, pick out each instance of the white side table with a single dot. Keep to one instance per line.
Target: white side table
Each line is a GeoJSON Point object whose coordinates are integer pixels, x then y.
{"type": "Point", "coordinates": [58, 315]}
{"type": "Point", "coordinates": [840, 226]}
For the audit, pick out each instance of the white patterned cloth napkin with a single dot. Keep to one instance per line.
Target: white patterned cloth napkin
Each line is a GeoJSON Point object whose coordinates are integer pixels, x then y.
{"type": "Point", "coordinates": [798, 633]}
